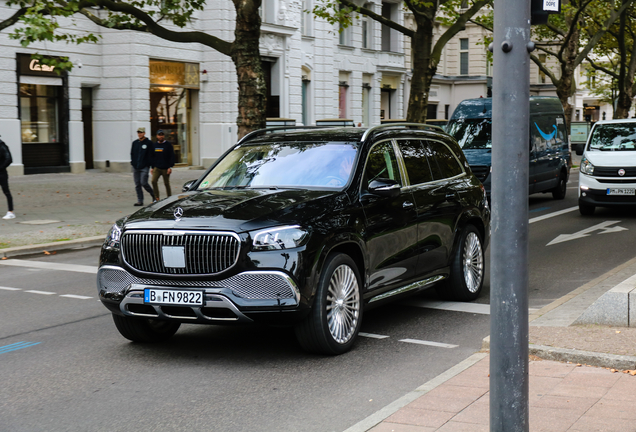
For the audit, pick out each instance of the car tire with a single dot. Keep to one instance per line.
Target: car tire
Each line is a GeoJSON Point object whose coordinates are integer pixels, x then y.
{"type": "Point", "coordinates": [336, 315]}
{"type": "Point", "coordinates": [559, 191]}
{"type": "Point", "coordinates": [145, 330]}
{"type": "Point", "coordinates": [586, 209]}
{"type": "Point", "coordinates": [467, 268]}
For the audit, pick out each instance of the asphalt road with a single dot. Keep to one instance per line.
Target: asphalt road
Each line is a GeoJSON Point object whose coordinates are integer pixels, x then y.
{"type": "Point", "coordinates": [66, 368]}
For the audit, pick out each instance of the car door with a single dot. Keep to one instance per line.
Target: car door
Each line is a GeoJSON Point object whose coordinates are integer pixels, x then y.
{"type": "Point", "coordinates": [391, 222]}
{"type": "Point", "coordinates": [545, 165]}
{"type": "Point", "coordinates": [430, 199]}
{"type": "Point", "coordinates": [450, 177]}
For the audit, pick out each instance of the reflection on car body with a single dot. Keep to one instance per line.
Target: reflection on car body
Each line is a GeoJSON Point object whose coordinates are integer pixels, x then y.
{"type": "Point", "coordinates": [305, 227]}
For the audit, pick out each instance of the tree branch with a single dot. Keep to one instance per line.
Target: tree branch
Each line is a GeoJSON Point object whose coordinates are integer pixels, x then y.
{"type": "Point", "coordinates": [13, 18]}
{"type": "Point", "coordinates": [379, 18]}
{"type": "Point", "coordinates": [602, 68]}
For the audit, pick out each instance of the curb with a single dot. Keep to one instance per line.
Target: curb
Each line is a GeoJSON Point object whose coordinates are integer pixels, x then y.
{"type": "Point", "coordinates": [50, 247]}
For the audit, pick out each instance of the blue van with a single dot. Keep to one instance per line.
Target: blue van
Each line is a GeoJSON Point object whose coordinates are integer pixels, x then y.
{"type": "Point", "coordinates": [550, 157]}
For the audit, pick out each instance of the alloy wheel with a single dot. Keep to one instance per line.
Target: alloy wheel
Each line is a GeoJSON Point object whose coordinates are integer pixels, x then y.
{"type": "Point", "coordinates": [473, 262]}
{"type": "Point", "coordinates": [343, 304]}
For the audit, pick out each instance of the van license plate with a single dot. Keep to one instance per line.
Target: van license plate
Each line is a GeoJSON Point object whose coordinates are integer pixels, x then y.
{"type": "Point", "coordinates": [621, 191]}
{"type": "Point", "coordinates": [173, 297]}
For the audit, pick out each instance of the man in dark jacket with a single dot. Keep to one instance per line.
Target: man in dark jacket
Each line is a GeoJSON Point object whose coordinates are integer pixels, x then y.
{"type": "Point", "coordinates": [141, 159]}
{"type": "Point", "coordinates": [162, 163]}
{"type": "Point", "coordinates": [5, 161]}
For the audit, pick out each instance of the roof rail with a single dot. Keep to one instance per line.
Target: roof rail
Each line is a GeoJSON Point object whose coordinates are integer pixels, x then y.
{"type": "Point", "coordinates": [259, 132]}
{"type": "Point", "coordinates": [387, 126]}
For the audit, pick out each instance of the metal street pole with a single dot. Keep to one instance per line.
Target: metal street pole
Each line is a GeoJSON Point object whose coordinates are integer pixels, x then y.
{"type": "Point", "coordinates": [509, 247]}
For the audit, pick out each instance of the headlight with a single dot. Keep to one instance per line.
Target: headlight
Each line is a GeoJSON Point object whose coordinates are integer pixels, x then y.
{"type": "Point", "coordinates": [113, 237]}
{"type": "Point", "coordinates": [280, 238]}
{"type": "Point", "coordinates": [586, 167]}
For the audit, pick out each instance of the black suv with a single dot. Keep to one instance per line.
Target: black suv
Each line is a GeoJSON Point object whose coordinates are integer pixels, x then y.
{"type": "Point", "coordinates": [307, 226]}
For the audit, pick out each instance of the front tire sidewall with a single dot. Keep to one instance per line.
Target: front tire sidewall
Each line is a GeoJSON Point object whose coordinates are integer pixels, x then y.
{"type": "Point", "coordinates": [457, 287]}
{"type": "Point", "coordinates": [314, 334]}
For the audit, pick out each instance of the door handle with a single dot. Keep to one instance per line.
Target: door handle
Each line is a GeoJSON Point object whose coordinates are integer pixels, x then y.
{"type": "Point", "coordinates": [407, 204]}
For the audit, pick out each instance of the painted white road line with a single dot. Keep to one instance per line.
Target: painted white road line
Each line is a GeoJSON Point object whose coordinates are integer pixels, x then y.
{"type": "Point", "coordinates": [372, 336]}
{"type": "Point", "coordinates": [40, 292]}
{"type": "Point", "coordinates": [478, 308]}
{"type": "Point", "coordinates": [73, 296]}
{"type": "Point", "coordinates": [551, 215]}
{"type": "Point", "coordinates": [50, 266]}
{"type": "Point", "coordinates": [10, 289]}
{"type": "Point", "coordinates": [435, 344]}
{"type": "Point", "coordinates": [604, 227]}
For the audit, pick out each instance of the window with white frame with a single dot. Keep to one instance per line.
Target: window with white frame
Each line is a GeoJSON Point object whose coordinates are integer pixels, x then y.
{"type": "Point", "coordinates": [343, 95]}
{"type": "Point", "coordinates": [267, 11]}
{"type": "Point", "coordinates": [344, 33]}
{"type": "Point", "coordinates": [367, 28]}
{"type": "Point", "coordinates": [306, 18]}
{"type": "Point", "coordinates": [463, 56]}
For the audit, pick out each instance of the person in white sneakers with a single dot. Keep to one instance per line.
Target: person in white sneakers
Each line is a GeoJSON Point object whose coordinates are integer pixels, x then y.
{"type": "Point", "coordinates": [5, 161]}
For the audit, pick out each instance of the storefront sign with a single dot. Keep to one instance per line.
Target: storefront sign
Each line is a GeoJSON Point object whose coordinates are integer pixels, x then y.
{"type": "Point", "coordinates": [31, 66]}
{"type": "Point", "coordinates": [174, 74]}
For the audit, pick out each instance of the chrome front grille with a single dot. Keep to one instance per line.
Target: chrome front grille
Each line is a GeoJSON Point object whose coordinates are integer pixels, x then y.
{"type": "Point", "coordinates": [205, 252]}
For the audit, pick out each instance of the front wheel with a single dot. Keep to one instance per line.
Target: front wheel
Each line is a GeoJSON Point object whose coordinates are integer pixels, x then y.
{"type": "Point", "coordinates": [466, 277]}
{"type": "Point", "coordinates": [336, 315]}
{"type": "Point", "coordinates": [586, 209]}
{"type": "Point", "coordinates": [145, 330]}
{"type": "Point", "coordinates": [559, 191]}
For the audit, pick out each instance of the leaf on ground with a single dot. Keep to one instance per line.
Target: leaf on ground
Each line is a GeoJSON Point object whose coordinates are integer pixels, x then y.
{"type": "Point", "coordinates": [47, 253]}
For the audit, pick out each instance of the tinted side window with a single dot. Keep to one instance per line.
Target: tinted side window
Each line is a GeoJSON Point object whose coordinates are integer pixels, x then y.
{"type": "Point", "coordinates": [382, 163]}
{"type": "Point", "coordinates": [447, 162]}
{"type": "Point", "coordinates": [415, 161]}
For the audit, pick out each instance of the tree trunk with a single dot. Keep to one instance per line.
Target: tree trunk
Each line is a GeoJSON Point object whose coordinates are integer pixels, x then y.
{"type": "Point", "coordinates": [566, 85]}
{"type": "Point", "coordinates": [247, 60]}
{"type": "Point", "coordinates": [423, 70]}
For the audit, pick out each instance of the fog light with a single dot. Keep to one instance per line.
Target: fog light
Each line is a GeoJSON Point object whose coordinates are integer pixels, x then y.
{"type": "Point", "coordinates": [583, 194]}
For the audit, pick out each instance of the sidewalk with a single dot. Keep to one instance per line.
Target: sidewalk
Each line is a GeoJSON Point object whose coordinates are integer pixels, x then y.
{"type": "Point", "coordinates": [582, 377]}
{"type": "Point", "coordinates": [590, 387]}
{"type": "Point", "coordinates": [58, 211]}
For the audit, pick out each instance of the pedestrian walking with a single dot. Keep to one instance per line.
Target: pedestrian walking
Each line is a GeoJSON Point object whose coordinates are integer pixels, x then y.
{"type": "Point", "coordinates": [141, 159]}
{"type": "Point", "coordinates": [162, 163]}
{"type": "Point", "coordinates": [5, 161]}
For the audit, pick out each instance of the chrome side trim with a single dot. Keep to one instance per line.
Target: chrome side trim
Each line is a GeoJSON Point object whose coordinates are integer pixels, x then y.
{"type": "Point", "coordinates": [407, 288]}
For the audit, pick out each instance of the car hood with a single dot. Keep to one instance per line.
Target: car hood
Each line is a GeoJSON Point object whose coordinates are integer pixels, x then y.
{"type": "Point", "coordinates": [478, 157]}
{"type": "Point", "coordinates": [612, 158]}
{"type": "Point", "coordinates": [236, 210]}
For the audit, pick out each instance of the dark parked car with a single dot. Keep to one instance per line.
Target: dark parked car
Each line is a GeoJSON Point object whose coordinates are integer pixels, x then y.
{"type": "Point", "coordinates": [307, 227]}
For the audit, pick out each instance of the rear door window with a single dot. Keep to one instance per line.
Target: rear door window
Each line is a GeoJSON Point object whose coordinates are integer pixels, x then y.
{"type": "Point", "coordinates": [416, 161]}
{"type": "Point", "coordinates": [447, 164]}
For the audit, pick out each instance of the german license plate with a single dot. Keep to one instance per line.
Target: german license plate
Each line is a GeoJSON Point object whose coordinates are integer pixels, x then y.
{"type": "Point", "coordinates": [621, 191]}
{"type": "Point", "coordinates": [173, 297]}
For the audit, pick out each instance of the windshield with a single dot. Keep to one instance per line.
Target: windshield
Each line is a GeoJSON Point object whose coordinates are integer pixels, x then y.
{"type": "Point", "coordinates": [472, 133]}
{"type": "Point", "coordinates": [284, 165]}
{"type": "Point", "coordinates": [614, 137]}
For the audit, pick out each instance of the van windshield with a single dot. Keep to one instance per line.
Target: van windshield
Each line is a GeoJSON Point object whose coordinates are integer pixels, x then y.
{"type": "Point", "coordinates": [472, 133]}
{"type": "Point", "coordinates": [614, 137]}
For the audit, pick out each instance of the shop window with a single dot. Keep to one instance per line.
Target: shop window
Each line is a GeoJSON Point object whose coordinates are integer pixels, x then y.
{"type": "Point", "coordinates": [169, 112]}
{"type": "Point", "coordinates": [39, 113]}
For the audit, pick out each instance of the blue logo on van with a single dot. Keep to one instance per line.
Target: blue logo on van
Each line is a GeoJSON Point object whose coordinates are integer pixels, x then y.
{"type": "Point", "coordinates": [546, 136]}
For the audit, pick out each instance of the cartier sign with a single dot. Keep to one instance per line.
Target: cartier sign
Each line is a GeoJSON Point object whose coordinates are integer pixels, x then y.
{"type": "Point", "coordinates": [31, 66]}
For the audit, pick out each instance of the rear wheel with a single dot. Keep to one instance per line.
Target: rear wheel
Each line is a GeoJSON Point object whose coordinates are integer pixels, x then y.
{"type": "Point", "coordinates": [466, 278]}
{"type": "Point", "coordinates": [145, 330]}
{"type": "Point", "coordinates": [559, 191]}
{"type": "Point", "coordinates": [586, 209]}
{"type": "Point", "coordinates": [334, 321]}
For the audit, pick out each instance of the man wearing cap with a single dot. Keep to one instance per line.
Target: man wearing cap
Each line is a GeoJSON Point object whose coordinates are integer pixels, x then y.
{"type": "Point", "coordinates": [141, 159]}
{"type": "Point", "coordinates": [162, 163]}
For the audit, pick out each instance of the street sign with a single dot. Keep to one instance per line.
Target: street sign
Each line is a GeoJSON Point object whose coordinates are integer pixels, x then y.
{"type": "Point", "coordinates": [540, 9]}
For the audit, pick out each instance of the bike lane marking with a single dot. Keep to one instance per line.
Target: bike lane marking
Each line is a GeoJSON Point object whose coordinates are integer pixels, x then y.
{"type": "Point", "coordinates": [553, 214]}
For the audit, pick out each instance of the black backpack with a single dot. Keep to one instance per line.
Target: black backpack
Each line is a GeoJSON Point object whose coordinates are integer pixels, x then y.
{"type": "Point", "coordinates": [5, 155]}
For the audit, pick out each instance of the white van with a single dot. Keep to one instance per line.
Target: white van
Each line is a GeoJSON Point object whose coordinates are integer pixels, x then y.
{"type": "Point", "coordinates": [608, 166]}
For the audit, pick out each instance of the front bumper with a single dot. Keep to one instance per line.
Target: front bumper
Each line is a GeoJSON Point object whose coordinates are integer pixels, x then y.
{"type": "Point", "coordinates": [593, 191]}
{"type": "Point", "coordinates": [227, 300]}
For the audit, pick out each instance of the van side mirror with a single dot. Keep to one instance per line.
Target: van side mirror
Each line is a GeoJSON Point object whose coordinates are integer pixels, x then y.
{"type": "Point", "coordinates": [385, 187]}
{"type": "Point", "coordinates": [187, 185]}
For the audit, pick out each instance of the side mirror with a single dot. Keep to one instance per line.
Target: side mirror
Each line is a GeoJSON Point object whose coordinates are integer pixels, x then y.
{"type": "Point", "coordinates": [186, 185]}
{"type": "Point", "coordinates": [385, 187]}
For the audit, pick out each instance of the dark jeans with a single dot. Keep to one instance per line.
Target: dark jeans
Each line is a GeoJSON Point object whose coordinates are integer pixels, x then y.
{"type": "Point", "coordinates": [141, 180]}
{"type": "Point", "coordinates": [4, 182]}
{"type": "Point", "coordinates": [156, 173]}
